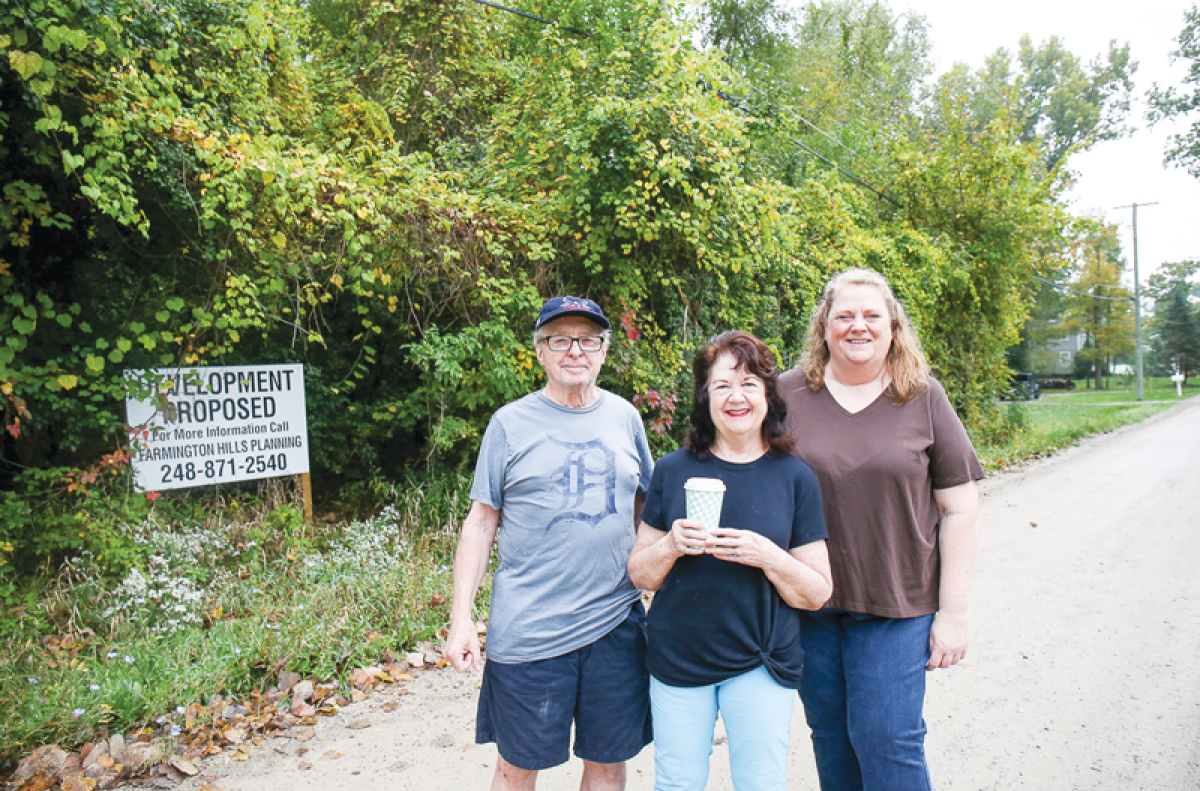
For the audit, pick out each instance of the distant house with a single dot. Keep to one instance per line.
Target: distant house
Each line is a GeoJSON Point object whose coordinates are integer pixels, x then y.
{"type": "Point", "coordinates": [1052, 349]}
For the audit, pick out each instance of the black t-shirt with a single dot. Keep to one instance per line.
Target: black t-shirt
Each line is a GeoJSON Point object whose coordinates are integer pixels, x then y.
{"type": "Point", "coordinates": [714, 619]}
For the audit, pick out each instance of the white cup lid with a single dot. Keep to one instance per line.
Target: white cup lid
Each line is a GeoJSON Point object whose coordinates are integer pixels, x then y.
{"type": "Point", "coordinates": [704, 485]}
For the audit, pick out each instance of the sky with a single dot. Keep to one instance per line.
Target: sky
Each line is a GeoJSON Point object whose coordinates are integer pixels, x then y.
{"type": "Point", "coordinates": [1114, 173]}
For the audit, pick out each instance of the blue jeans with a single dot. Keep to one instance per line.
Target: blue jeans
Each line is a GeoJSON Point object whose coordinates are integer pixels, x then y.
{"type": "Point", "coordinates": [758, 719]}
{"type": "Point", "coordinates": [864, 690]}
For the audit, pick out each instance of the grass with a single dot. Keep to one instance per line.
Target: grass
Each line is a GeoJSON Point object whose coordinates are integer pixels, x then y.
{"type": "Point", "coordinates": [1124, 388]}
{"type": "Point", "coordinates": [220, 606]}
{"type": "Point", "coordinates": [1060, 419]}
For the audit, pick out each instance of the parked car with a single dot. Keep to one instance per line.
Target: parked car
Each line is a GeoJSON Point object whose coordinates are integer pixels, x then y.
{"type": "Point", "coordinates": [1023, 386]}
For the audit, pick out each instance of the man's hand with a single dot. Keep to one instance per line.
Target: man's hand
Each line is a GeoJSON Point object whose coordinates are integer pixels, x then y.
{"type": "Point", "coordinates": [470, 565]}
{"type": "Point", "coordinates": [462, 647]}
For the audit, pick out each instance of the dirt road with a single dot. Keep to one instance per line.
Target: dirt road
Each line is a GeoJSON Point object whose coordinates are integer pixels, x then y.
{"type": "Point", "coordinates": [1084, 669]}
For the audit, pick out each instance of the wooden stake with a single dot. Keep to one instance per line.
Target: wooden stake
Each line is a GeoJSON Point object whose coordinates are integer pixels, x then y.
{"type": "Point", "coordinates": [306, 484]}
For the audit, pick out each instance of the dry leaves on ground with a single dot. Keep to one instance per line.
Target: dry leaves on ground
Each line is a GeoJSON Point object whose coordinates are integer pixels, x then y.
{"type": "Point", "coordinates": [290, 708]}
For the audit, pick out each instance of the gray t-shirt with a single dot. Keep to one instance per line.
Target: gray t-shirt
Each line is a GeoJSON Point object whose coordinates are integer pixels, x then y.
{"type": "Point", "coordinates": [564, 481]}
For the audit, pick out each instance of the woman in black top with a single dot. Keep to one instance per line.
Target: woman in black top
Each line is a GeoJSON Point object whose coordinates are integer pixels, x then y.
{"type": "Point", "coordinates": [724, 631]}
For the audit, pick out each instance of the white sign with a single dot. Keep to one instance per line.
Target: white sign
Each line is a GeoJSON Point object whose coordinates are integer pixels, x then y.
{"type": "Point", "coordinates": [218, 425]}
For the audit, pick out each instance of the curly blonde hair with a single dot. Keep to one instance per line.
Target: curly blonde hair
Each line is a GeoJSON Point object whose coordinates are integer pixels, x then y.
{"type": "Point", "coordinates": [906, 363]}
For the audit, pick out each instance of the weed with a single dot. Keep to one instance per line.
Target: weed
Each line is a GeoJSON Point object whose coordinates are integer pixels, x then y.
{"type": "Point", "coordinates": [231, 588]}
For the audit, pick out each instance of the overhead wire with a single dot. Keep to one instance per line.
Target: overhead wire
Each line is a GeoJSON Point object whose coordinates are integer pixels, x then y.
{"type": "Point", "coordinates": [1073, 292]}
{"type": "Point", "coordinates": [732, 101]}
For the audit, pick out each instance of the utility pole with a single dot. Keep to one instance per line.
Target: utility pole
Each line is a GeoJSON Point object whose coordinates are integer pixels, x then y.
{"type": "Point", "coordinates": [1137, 299]}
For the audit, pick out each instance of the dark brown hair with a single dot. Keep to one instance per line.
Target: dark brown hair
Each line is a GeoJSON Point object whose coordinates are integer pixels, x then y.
{"type": "Point", "coordinates": [754, 357]}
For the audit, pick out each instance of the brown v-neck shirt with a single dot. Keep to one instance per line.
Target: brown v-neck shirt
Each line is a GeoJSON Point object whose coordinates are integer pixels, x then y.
{"type": "Point", "coordinates": [878, 469]}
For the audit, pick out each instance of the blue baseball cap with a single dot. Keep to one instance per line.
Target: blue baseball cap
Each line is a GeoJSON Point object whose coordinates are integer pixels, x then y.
{"type": "Point", "coordinates": [557, 307]}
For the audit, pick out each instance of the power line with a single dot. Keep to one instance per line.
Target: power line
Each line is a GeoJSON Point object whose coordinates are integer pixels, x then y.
{"type": "Point", "coordinates": [737, 104]}
{"type": "Point", "coordinates": [1073, 292]}
{"type": "Point", "coordinates": [535, 18]}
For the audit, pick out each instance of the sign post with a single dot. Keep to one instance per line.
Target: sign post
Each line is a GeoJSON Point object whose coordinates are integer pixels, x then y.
{"type": "Point", "coordinates": [220, 425]}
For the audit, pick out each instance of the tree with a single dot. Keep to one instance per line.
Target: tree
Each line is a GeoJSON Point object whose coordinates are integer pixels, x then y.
{"type": "Point", "coordinates": [1052, 97]}
{"type": "Point", "coordinates": [1183, 103]}
{"type": "Point", "coordinates": [1178, 328]}
{"type": "Point", "coordinates": [1097, 303]}
{"type": "Point", "coordinates": [1175, 325]}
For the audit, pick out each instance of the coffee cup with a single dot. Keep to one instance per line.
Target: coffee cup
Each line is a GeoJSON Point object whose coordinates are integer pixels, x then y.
{"type": "Point", "coordinates": [704, 499]}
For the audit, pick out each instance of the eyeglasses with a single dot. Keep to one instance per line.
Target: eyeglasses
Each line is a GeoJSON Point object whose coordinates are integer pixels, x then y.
{"type": "Point", "coordinates": [563, 343]}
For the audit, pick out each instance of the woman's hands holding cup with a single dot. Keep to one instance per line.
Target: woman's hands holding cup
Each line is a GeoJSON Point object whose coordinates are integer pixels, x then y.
{"type": "Point", "coordinates": [688, 536]}
{"type": "Point", "coordinates": [737, 546]}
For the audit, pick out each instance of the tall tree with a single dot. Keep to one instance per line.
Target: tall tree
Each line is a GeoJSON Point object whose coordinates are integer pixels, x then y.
{"type": "Point", "coordinates": [1183, 103]}
{"type": "Point", "coordinates": [1053, 97]}
{"type": "Point", "coordinates": [1178, 327]}
{"type": "Point", "coordinates": [1097, 303]}
{"type": "Point", "coordinates": [1175, 326]}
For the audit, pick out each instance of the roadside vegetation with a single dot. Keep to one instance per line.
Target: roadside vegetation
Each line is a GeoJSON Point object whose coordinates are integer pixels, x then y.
{"type": "Point", "coordinates": [225, 590]}
{"type": "Point", "coordinates": [1059, 420]}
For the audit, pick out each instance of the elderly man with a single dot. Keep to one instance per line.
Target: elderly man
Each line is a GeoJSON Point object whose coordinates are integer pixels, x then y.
{"type": "Point", "coordinates": [561, 473]}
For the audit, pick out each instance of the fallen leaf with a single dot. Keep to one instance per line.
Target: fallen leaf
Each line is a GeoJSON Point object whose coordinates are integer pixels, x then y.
{"type": "Point", "coordinates": [333, 755]}
{"type": "Point", "coordinates": [303, 734]}
{"type": "Point", "coordinates": [183, 765]}
{"type": "Point", "coordinates": [302, 709]}
{"type": "Point", "coordinates": [78, 784]}
{"type": "Point", "coordinates": [49, 759]}
{"type": "Point", "coordinates": [390, 706]}
{"type": "Point", "coordinates": [39, 782]}
{"type": "Point", "coordinates": [359, 724]}
{"type": "Point", "coordinates": [302, 691]}
{"type": "Point", "coordinates": [287, 680]}
{"type": "Point", "coordinates": [399, 766]}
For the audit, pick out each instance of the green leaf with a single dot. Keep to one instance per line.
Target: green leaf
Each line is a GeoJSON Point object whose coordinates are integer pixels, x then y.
{"type": "Point", "coordinates": [116, 355]}
{"type": "Point", "coordinates": [95, 363]}
{"type": "Point", "coordinates": [68, 381]}
{"type": "Point", "coordinates": [176, 304]}
{"type": "Point", "coordinates": [26, 64]}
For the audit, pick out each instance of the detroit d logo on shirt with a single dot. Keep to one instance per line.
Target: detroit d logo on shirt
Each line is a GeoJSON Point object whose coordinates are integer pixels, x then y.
{"type": "Point", "coordinates": [586, 482]}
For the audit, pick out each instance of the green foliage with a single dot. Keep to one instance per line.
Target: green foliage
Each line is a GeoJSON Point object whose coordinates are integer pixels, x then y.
{"type": "Point", "coordinates": [1097, 304]}
{"type": "Point", "coordinates": [230, 590]}
{"type": "Point", "coordinates": [1183, 102]}
{"type": "Point", "coordinates": [59, 512]}
{"type": "Point", "coordinates": [1177, 323]}
{"type": "Point", "coordinates": [385, 191]}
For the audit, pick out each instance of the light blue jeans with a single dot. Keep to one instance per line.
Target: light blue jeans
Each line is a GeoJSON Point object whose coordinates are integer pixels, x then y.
{"type": "Point", "coordinates": [758, 717]}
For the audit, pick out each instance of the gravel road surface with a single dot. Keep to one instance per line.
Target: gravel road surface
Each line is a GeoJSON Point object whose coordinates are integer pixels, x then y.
{"type": "Point", "coordinates": [1083, 672]}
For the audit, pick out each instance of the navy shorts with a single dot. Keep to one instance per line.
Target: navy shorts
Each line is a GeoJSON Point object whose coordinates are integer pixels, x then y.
{"type": "Point", "coordinates": [604, 688]}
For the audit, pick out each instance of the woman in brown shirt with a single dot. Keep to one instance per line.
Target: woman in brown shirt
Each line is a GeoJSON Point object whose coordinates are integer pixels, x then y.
{"type": "Point", "coordinates": [897, 475]}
